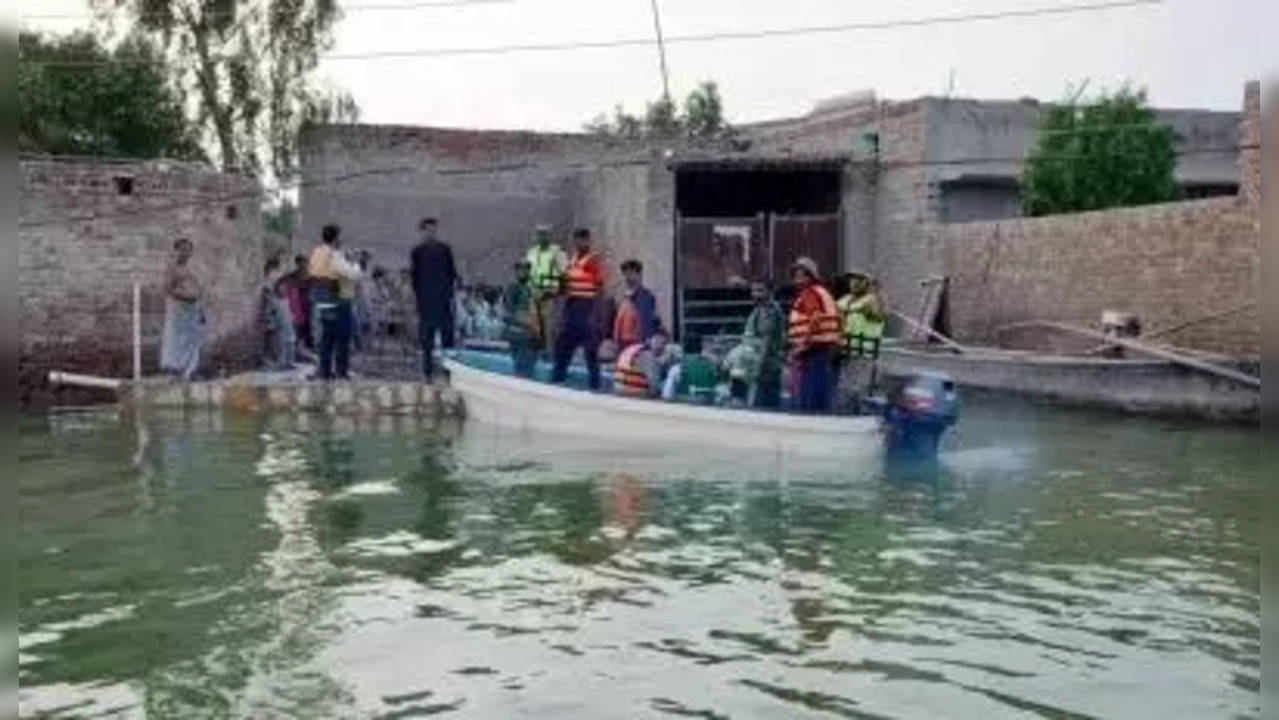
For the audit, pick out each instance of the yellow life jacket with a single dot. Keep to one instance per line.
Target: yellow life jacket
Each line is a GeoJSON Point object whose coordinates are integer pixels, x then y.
{"type": "Point", "coordinates": [545, 268]}
{"type": "Point", "coordinates": [862, 334]}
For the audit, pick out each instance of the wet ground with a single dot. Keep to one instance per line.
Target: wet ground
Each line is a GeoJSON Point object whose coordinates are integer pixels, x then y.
{"type": "Point", "coordinates": [1059, 565]}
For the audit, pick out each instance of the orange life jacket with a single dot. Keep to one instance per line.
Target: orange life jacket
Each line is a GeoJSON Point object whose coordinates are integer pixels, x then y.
{"type": "Point", "coordinates": [628, 378]}
{"type": "Point", "coordinates": [814, 318]}
{"type": "Point", "coordinates": [580, 281]}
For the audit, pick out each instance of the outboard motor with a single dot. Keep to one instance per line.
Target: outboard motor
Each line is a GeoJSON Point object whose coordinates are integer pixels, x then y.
{"type": "Point", "coordinates": [918, 411]}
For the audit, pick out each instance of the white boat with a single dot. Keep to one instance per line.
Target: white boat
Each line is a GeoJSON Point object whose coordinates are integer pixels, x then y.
{"type": "Point", "coordinates": [495, 398]}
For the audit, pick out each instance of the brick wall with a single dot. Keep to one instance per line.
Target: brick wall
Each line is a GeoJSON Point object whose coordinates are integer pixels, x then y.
{"type": "Point", "coordinates": [1165, 263]}
{"type": "Point", "coordinates": [631, 212]}
{"type": "Point", "coordinates": [83, 243]}
{"type": "Point", "coordinates": [488, 188]}
{"type": "Point", "coordinates": [1250, 140]}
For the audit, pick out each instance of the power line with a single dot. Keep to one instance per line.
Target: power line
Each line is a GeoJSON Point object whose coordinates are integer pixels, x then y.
{"type": "Point", "coordinates": [380, 7]}
{"type": "Point", "coordinates": [749, 34]}
{"type": "Point", "coordinates": [513, 167]}
{"type": "Point", "coordinates": [700, 38]}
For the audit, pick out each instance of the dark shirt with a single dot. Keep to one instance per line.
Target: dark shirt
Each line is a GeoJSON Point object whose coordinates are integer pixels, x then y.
{"type": "Point", "coordinates": [646, 305]}
{"type": "Point", "coordinates": [434, 276]}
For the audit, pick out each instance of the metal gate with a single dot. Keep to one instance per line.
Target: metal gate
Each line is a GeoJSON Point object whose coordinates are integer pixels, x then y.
{"type": "Point", "coordinates": [717, 258]}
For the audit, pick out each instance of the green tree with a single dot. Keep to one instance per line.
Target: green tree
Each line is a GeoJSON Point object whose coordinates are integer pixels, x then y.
{"type": "Point", "coordinates": [702, 118]}
{"type": "Point", "coordinates": [249, 65]}
{"type": "Point", "coordinates": [1108, 153]}
{"type": "Point", "coordinates": [76, 97]}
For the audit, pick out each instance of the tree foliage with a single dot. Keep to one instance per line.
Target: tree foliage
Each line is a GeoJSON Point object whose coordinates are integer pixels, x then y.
{"type": "Point", "coordinates": [701, 118]}
{"type": "Point", "coordinates": [1108, 153]}
{"type": "Point", "coordinates": [249, 66]}
{"type": "Point", "coordinates": [76, 97]}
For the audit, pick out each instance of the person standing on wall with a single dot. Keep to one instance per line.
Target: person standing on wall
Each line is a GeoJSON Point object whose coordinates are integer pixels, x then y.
{"type": "Point", "coordinates": [814, 337]}
{"type": "Point", "coordinates": [183, 315]}
{"type": "Point", "coordinates": [434, 279]}
{"type": "Point", "coordinates": [583, 283]}
{"type": "Point", "coordinates": [636, 319]}
{"type": "Point", "coordinates": [547, 263]}
{"type": "Point", "coordinates": [333, 280]}
{"type": "Point", "coordinates": [294, 289]}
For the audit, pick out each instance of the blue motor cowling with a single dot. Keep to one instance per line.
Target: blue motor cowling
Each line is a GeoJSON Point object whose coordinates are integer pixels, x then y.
{"type": "Point", "coordinates": [919, 409]}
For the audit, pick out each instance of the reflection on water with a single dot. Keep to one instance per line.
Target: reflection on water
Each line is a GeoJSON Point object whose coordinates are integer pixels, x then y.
{"type": "Point", "coordinates": [1057, 566]}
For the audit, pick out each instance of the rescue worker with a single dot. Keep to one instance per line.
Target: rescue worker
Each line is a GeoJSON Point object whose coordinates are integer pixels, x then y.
{"type": "Point", "coordinates": [638, 371]}
{"type": "Point", "coordinates": [520, 321]}
{"type": "Point", "coordinates": [636, 319]}
{"type": "Point", "coordinates": [583, 283]}
{"type": "Point", "coordinates": [547, 264]}
{"type": "Point", "coordinates": [862, 314]}
{"type": "Point", "coordinates": [814, 337]}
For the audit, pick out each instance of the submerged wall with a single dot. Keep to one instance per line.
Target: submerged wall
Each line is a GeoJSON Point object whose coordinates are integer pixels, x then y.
{"type": "Point", "coordinates": [88, 230]}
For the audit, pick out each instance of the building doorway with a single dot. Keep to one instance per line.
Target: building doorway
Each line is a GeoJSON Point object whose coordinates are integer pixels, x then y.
{"type": "Point", "coordinates": [741, 221]}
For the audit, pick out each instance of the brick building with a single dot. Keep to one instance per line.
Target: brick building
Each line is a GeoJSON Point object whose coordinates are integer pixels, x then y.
{"type": "Point", "coordinates": [88, 229]}
{"type": "Point", "coordinates": [855, 183]}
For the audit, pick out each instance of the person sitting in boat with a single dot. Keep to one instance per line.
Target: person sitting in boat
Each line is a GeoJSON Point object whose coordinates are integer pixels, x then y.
{"type": "Point", "coordinates": [639, 369]}
{"type": "Point", "coordinates": [520, 323]}
{"type": "Point", "coordinates": [814, 337]}
{"type": "Point", "coordinates": [695, 378]}
{"type": "Point", "coordinates": [741, 365]}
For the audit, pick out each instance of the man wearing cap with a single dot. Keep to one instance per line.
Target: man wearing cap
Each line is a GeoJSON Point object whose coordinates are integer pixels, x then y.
{"type": "Point", "coordinates": [547, 264]}
{"type": "Point", "coordinates": [520, 321]}
{"type": "Point", "coordinates": [814, 332]}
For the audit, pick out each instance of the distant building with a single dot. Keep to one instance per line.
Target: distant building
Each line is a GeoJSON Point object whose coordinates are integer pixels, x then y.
{"type": "Point", "coordinates": [850, 184]}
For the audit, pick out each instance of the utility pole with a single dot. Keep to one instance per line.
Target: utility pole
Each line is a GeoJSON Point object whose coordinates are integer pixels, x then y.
{"type": "Point", "coordinates": [661, 51]}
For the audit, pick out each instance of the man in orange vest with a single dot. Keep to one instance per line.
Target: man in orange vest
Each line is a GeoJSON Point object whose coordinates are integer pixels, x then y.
{"type": "Point", "coordinates": [583, 284]}
{"type": "Point", "coordinates": [814, 338]}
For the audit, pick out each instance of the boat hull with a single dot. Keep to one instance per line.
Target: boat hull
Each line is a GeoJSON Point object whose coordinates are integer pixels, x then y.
{"type": "Point", "coordinates": [528, 406]}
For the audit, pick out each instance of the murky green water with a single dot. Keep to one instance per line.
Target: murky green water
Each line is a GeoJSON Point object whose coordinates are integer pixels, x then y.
{"type": "Point", "coordinates": [1061, 566]}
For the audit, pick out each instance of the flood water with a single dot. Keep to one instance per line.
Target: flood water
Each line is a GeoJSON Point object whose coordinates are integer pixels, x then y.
{"type": "Point", "coordinates": [1060, 565]}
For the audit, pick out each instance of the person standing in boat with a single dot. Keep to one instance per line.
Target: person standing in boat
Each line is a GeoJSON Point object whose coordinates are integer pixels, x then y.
{"type": "Point", "coordinates": [766, 329]}
{"type": "Point", "coordinates": [183, 315]}
{"type": "Point", "coordinates": [434, 279]}
{"type": "Point", "coordinates": [520, 320]}
{"type": "Point", "coordinates": [639, 370]}
{"type": "Point", "coordinates": [583, 283]}
{"type": "Point", "coordinates": [814, 337]}
{"type": "Point", "coordinates": [547, 264]}
{"type": "Point", "coordinates": [862, 317]}
{"type": "Point", "coordinates": [636, 319]}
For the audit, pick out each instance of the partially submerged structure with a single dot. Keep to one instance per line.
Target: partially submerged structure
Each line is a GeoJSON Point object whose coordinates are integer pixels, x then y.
{"type": "Point", "coordinates": [856, 183]}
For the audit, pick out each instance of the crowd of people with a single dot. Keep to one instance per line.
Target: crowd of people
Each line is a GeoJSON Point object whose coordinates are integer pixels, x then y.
{"type": "Point", "coordinates": [334, 302]}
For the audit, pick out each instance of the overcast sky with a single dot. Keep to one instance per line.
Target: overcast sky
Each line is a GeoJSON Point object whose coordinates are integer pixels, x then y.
{"type": "Point", "coordinates": [1187, 53]}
